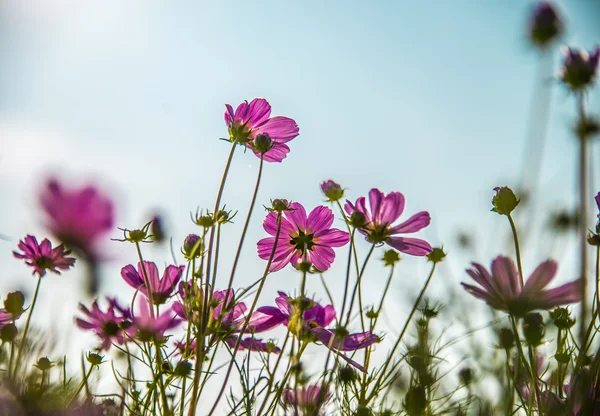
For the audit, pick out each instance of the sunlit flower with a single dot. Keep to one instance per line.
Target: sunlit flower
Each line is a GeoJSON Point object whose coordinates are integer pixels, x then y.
{"type": "Point", "coordinates": [306, 400]}
{"type": "Point", "coordinates": [250, 120]}
{"type": "Point", "coordinates": [161, 288]}
{"type": "Point", "coordinates": [332, 190]}
{"type": "Point", "coordinates": [79, 217]}
{"type": "Point", "coordinates": [311, 324]}
{"type": "Point", "coordinates": [147, 326]}
{"type": "Point", "coordinates": [302, 238]}
{"type": "Point", "coordinates": [502, 289]}
{"type": "Point", "coordinates": [42, 257]}
{"type": "Point", "coordinates": [107, 325]}
{"type": "Point", "coordinates": [376, 223]}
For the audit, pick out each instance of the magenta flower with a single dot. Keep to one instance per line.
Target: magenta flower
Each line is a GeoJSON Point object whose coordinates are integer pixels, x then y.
{"type": "Point", "coordinates": [5, 318]}
{"type": "Point", "coordinates": [225, 323]}
{"type": "Point", "coordinates": [302, 238]}
{"type": "Point", "coordinates": [250, 120]}
{"type": "Point", "coordinates": [79, 217]}
{"type": "Point", "coordinates": [42, 257]}
{"type": "Point", "coordinates": [161, 288]}
{"type": "Point", "coordinates": [147, 326]}
{"type": "Point", "coordinates": [309, 400]}
{"type": "Point", "coordinates": [314, 322]}
{"type": "Point", "coordinates": [376, 223]}
{"type": "Point", "coordinates": [502, 289]}
{"type": "Point", "coordinates": [107, 325]}
{"type": "Point", "coordinates": [597, 198]}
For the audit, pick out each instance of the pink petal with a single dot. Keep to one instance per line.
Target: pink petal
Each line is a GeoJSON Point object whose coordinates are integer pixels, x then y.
{"type": "Point", "coordinates": [541, 277]}
{"type": "Point", "coordinates": [375, 200]}
{"type": "Point", "coordinates": [415, 223]}
{"type": "Point", "coordinates": [151, 274]}
{"type": "Point", "coordinates": [391, 208]}
{"type": "Point", "coordinates": [332, 238]}
{"type": "Point", "coordinates": [320, 219]}
{"type": "Point", "coordinates": [280, 129]}
{"type": "Point", "coordinates": [506, 277]}
{"type": "Point", "coordinates": [275, 154]}
{"type": "Point", "coordinates": [321, 257]}
{"type": "Point", "coordinates": [258, 113]}
{"type": "Point", "coordinates": [412, 246]}
{"type": "Point", "coordinates": [297, 216]}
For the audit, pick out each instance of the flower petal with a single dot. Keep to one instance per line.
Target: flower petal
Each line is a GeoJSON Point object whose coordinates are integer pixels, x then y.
{"type": "Point", "coordinates": [391, 208]}
{"type": "Point", "coordinates": [415, 223]}
{"type": "Point", "coordinates": [320, 219]}
{"type": "Point", "coordinates": [412, 246]}
{"type": "Point", "coordinates": [280, 129]}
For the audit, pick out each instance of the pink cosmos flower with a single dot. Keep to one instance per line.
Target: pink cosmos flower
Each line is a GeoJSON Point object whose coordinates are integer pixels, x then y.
{"type": "Point", "coordinates": [315, 320]}
{"type": "Point", "coordinates": [306, 400]}
{"type": "Point", "coordinates": [597, 198]}
{"type": "Point", "coordinates": [107, 325]}
{"type": "Point", "coordinates": [147, 326]}
{"type": "Point", "coordinates": [376, 223]}
{"type": "Point", "coordinates": [161, 288]}
{"type": "Point", "coordinates": [42, 257]}
{"type": "Point", "coordinates": [502, 289]}
{"type": "Point", "coordinates": [301, 237]}
{"type": "Point", "coordinates": [79, 217]}
{"type": "Point", "coordinates": [252, 119]}
{"type": "Point", "coordinates": [225, 324]}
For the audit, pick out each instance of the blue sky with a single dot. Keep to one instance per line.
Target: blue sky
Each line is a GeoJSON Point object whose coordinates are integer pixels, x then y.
{"type": "Point", "coordinates": [430, 101]}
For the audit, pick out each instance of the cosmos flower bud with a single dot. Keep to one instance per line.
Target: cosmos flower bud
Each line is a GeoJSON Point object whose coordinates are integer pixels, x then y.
{"type": "Point", "coordinates": [347, 374]}
{"type": "Point", "coordinates": [192, 246]}
{"type": "Point", "coordinates": [280, 205]}
{"type": "Point", "coordinates": [579, 68]}
{"type": "Point", "coordinates": [545, 25]}
{"type": "Point", "coordinates": [157, 229]}
{"type": "Point", "coordinates": [8, 333]}
{"type": "Point", "coordinates": [332, 190]}
{"type": "Point", "coordinates": [358, 220]}
{"type": "Point", "coordinates": [44, 364]}
{"type": "Point", "coordinates": [437, 255]}
{"type": "Point", "coordinates": [506, 338]}
{"type": "Point", "coordinates": [466, 376]}
{"type": "Point", "coordinates": [205, 221]}
{"type": "Point", "coordinates": [183, 369]}
{"type": "Point", "coordinates": [14, 303]}
{"type": "Point", "coordinates": [533, 328]}
{"type": "Point", "coordinates": [562, 318]}
{"type": "Point", "coordinates": [262, 143]}
{"type": "Point", "coordinates": [504, 200]}
{"type": "Point", "coordinates": [94, 359]}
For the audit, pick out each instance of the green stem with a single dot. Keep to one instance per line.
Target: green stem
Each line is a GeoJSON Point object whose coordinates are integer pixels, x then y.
{"type": "Point", "coordinates": [517, 248]}
{"type": "Point", "coordinates": [583, 202]}
{"type": "Point", "coordinates": [523, 359]}
{"type": "Point", "coordinates": [24, 337]}
{"type": "Point", "coordinates": [357, 287]}
{"type": "Point", "coordinates": [81, 386]}
{"type": "Point", "coordinates": [250, 312]}
{"type": "Point", "coordinates": [399, 340]}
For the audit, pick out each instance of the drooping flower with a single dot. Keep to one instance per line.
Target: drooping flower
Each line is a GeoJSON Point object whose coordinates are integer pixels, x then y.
{"type": "Point", "coordinates": [249, 120]}
{"type": "Point", "coordinates": [146, 326]}
{"type": "Point", "coordinates": [545, 24]}
{"type": "Point", "coordinates": [579, 68]}
{"type": "Point", "coordinates": [225, 322]}
{"type": "Point", "coordinates": [161, 288]}
{"type": "Point", "coordinates": [42, 257]}
{"type": "Point", "coordinates": [502, 289]}
{"type": "Point", "coordinates": [376, 223]}
{"type": "Point", "coordinates": [109, 325]}
{"type": "Point", "coordinates": [306, 400]}
{"type": "Point", "coordinates": [308, 320]}
{"type": "Point", "coordinates": [79, 217]}
{"type": "Point", "coordinates": [302, 238]}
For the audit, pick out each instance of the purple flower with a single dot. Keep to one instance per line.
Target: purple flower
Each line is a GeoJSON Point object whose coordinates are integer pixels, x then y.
{"type": "Point", "coordinates": [161, 288]}
{"type": "Point", "coordinates": [147, 326]}
{"type": "Point", "coordinates": [79, 217]}
{"type": "Point", "coordinates": [308, 399]}
{"type": "Point", "coordinates": [545, 24]}
{"type": "Point", "coordinates": [107, 325]}
{"type": "Point", "coordinates": [502, 289]}
{"type": "Point", "coordinates": [252, 119]}
{"type": "Point", "coordinates": [302, 238]}
{"type": "Point", "coordinates": [226, 321]}
{"type": "Point", "coordinates": [311, 323]}
{"type": "Point", "coordinates": [376, 223]}
{"type": "Point", "coordinates": [42, 257]}
{"type": "Point", "coordinates": [597, 198]}
{"type": "Point", "coordinates": [579, 68]}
